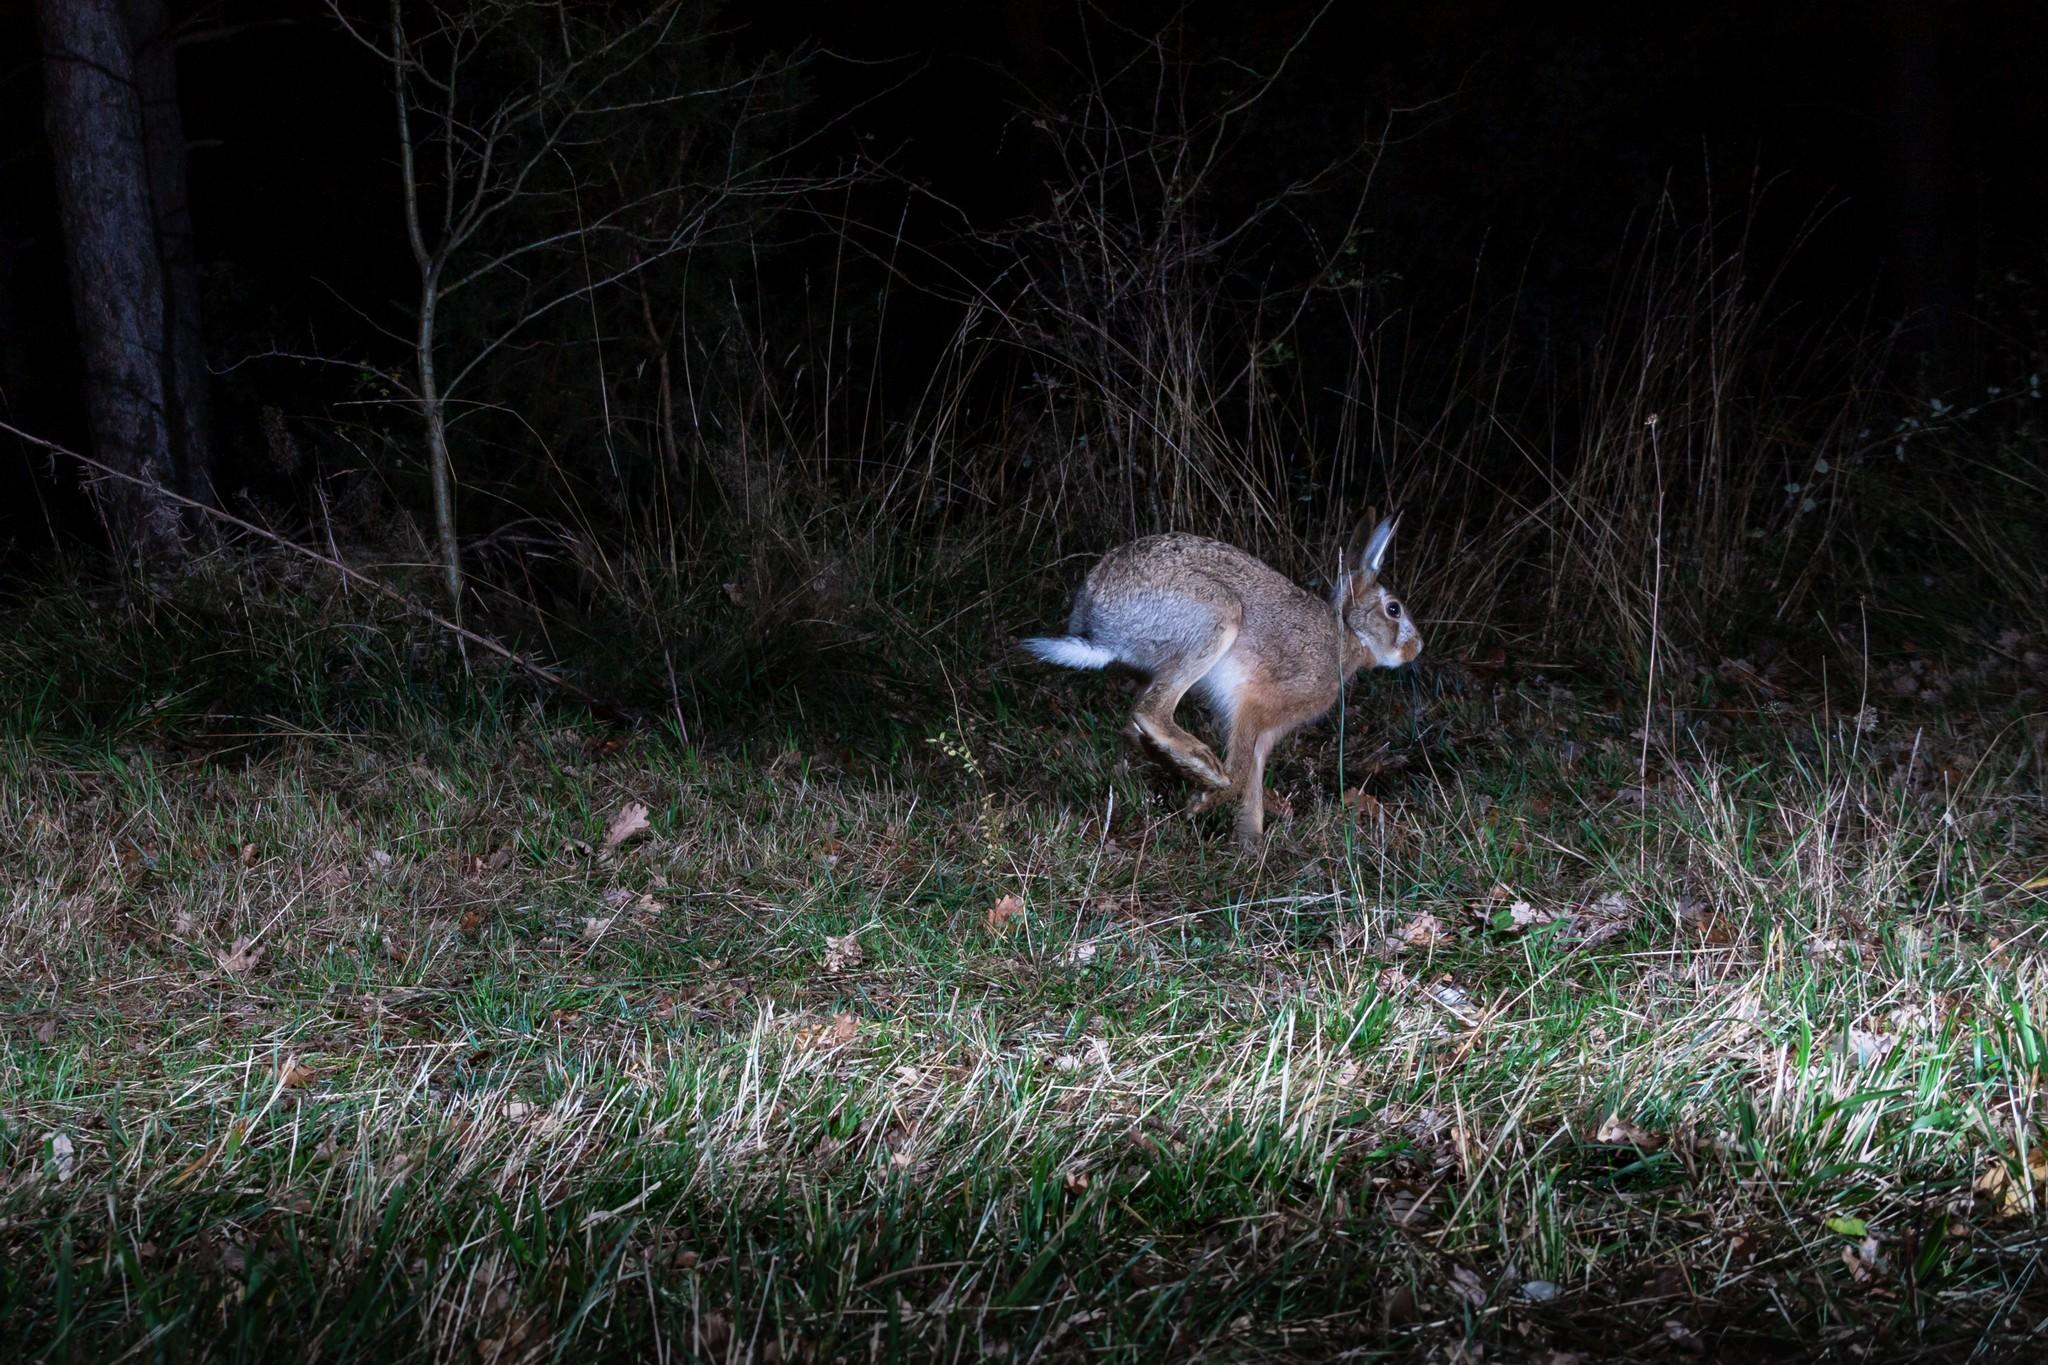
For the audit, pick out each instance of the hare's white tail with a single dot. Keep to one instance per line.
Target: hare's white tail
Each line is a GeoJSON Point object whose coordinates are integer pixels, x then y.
{"type": "Point", "coordinates": [1070, 651]}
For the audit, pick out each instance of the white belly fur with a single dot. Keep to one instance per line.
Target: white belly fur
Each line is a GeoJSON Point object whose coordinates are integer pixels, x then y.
{"type": "Point", "coordinates": [1222, 685]}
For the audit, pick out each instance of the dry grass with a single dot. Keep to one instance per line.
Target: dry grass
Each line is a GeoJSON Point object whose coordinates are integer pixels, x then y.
{"type": "Point", "coordinates": [352, 1044]}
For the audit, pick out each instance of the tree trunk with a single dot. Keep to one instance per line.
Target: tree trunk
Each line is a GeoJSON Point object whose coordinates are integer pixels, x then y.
{"type": "Point", "coordinates": [440, 464]}
{"type": "Point", "coordinates": [117, 288]}
{"type": "Point", "coordinates": [189, 410]}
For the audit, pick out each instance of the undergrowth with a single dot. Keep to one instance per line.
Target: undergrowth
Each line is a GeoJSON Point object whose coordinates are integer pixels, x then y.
{"type": "Point", "coordinates": [359, 1007]}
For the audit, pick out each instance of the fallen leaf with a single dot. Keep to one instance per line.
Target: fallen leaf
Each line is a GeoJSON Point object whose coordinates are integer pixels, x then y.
{"type": "Point", "coordinates": [46, 1032]}
{"type": "Point", "coordinates": [596, 926]}
{"type": "Point", "coordinates": [842, 953]}
{"type": "Point", "coordinates": [1451, 996]}
{"type": "Point", "coordinates": [1866, 1261]}
{"type": "Point", "coordinates": [1005, 914]}
{"type": "Point", "coordinates": [248, 855]}
{"type": "Point", "coordinates": [63, 1157]}
{"type": "Point", "coordinates": [844, 1027]}
{"type": "Point", "coordinates": [1407, 1204]}
{"type": "Point", "coordinates": [1678, 1335]}
{"type": "Point", "coordinates": [1608, 916]}
{"type": "Point", "coordinates": [630, 822]}
{"type": "Point", "coordinates": [898, 1141]}
{"type": "Point", "coordinates": [1711, 925]}
{"type": "Point", "coordinates": [1465, 1282]}
{"type": "Point", "coordinates": [135, 860]}
{"type": "Point", "coordinates": [1365, 803]}
{"type": "Point", "coordinates": [1618, 1131]}
{"type": "Point", "coordinates": [1074, 1182]}
{"type": "Point", "coordinates": [1516, 916]}
{"type": "Point", "coordinates": [1424, 931]}
{"type": "Point", "coordinates": [241, 958]}
{"type": "Point", "coordinates": [296, 1074]}
{"type": "Point", "coordinates": [2010, 1197]}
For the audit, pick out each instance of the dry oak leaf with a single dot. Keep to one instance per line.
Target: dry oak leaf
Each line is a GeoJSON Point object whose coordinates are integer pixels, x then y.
{"type": "Point", "coordinates": [241, 958]}
{"type": "Point", "coordinates": [1617, 1130]}
{"type": "Point", "coordinates": [296, 1074]}
{"type": "Point", "coordinates": [1368, 806]}
{"type": "Point", "coordinates": [630, 821]}
{"type": "Point", "coordinates": [1608, 916]}
{"type": "Point", "coordinates": [1866, 1261]}
{"type": "Point", "coordinates": [844, 1027]}
{"type": "Point", "coordinates": [842, 952]}
{"type": "Point", "coordinates": [1424, 931]}
{"type": "Point", "coordinates": [1996, 1186]}
{"type": "Point", "coordinates": [1005, 914]}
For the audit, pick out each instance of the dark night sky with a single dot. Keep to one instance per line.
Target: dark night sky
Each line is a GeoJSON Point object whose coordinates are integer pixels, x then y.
{"type": "Point", "coordinates": [1535, 133]}
{"type": "Point", "coordinates": [1546, 120]}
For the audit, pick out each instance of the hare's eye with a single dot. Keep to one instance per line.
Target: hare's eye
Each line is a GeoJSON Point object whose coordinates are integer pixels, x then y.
{"type": "Point", "coordinates": [1394, 610]}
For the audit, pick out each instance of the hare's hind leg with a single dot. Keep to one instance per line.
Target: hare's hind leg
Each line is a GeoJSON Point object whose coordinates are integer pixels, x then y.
{"type": "Point", "coordinates": [1153, 718]}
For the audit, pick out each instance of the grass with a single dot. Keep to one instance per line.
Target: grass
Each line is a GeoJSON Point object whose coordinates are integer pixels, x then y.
{"type": "Point", "coordinates": [333, 1029]}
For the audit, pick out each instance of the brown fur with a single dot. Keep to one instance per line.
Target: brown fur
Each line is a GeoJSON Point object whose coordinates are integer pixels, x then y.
{"type": "Point", "coordinates": [1270, 656]}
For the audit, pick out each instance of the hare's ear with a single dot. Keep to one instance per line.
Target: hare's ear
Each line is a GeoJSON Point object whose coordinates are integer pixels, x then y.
{"type": "Point", "coordinates": [1350, 556]}
{"type": "Point", "coordinates": [1354, 542]}
{"type": "Point", "coordinates": [1372, 556]}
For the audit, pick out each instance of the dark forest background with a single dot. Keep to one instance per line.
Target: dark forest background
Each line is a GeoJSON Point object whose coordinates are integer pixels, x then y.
{"type": "Point", "coordinates": [794, 290]}
{"type": "Point", "coordinates": [526, 832]}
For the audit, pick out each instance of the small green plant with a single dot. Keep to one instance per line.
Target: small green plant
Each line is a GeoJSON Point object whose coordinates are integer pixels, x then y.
{"type": "Point", "coordinates": [987, 820]}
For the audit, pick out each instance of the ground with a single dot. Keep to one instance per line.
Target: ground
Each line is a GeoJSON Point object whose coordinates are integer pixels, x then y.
{"type": "Point", "coordinates": [933, 1028]}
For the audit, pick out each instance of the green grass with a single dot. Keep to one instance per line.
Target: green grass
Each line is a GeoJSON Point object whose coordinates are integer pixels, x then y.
{"type": "Point", "coordinates": [1515, 1048]}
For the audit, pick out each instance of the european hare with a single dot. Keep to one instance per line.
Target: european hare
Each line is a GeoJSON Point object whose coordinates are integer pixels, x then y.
{"type": "Point", "coordinates": [1268, 655]}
